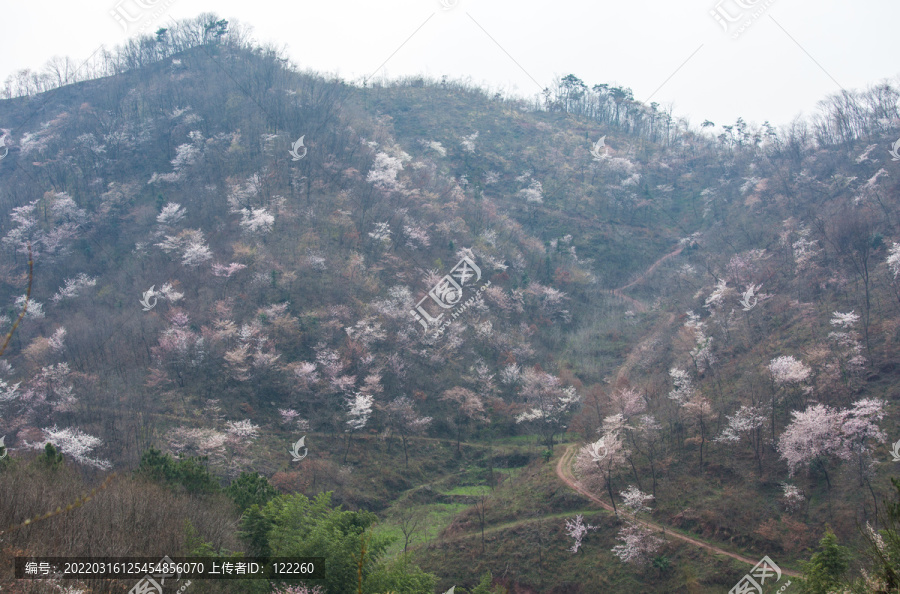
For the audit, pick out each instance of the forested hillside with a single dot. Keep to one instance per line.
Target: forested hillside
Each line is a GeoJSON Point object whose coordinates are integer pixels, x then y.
{"type": "Point", "coordinates": [440, 337]}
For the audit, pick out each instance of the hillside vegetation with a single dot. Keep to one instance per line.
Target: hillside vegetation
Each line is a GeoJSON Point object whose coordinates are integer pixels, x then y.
{"type": "Point", "coordinates": [214, 254]}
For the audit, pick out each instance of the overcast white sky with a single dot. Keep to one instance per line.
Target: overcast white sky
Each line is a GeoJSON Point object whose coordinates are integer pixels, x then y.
{"type": "Point", "coordinates": [792, 55]}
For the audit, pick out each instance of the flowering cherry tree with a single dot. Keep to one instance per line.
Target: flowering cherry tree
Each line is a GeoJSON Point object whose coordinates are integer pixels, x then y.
{"type": "Point", "coordinates": [786, 372]}
{"type": "Point", "coordinates": [847, 345]}
{"type": "Point", "coordinates": [384, 172]}
{"type": "Point", "coordinates": [195, 253]}
{"type": "Point", "coordinates": [468, 407]}
{"type": "Point", "coordinates": [185, 156]}
{"type": "Point", "coordinates": [73, 287]}
{"type": "Point", "coordinates": [199, 441]}
{"type": "Point", "coordinates": [860, 432]}
{"type": "Point", "coordinates": [792, 497]}
{"type": "Point", "coordinates": [468, 142]}
{"type": "Point", "coordinates": [191, 245]}
{"type": "Point", "coordinates": [359, 409]}
{"type": "Point", "coordinates": [893, 263]}
{"type": "Point", "coordinates": [577, 529]}
{"type": "Point", "coordinates": [747, 424]}
{"type": "Point", "coordinates": [820, 434]}
{"type": "Point", "coordinates": [597, 462]}
{"type": "Point", "coordinates": [226, 272]}
{"type": "Point", "coordinates": [701, 354]}
{"type": "Point", "coordinates": [304, 374]}
{"type": "Point", "coordinates": [635, 500]}
{"type": "Point", "coordinates": [45, 231]}
{"type": "Point", "coordinates": [404, 419]}
{"type": "Point", "coordinates": [75, 443]}
{"type": "Point", "coordinates": [242, 430]}
{"type": "Point", "coordinates": [550, 403]}
{"type": "Point", "coordinates": [171, 214]}
{"type": "Point", "coordinates": [257, 221]}
{"type": "Point", "coordinates": [179, 349]}
{"type": "Point", "coordinates": [683, 389]}
{"type": "Point", "coordinates": [533, 193]}
{"type": "Point", "coordinates": [812, 438]}
{"type": "Point", "coordinates": [629, 402]}
{"type": "Point", "coordinates": [638, 544]}
{"type": "Point", "coordinates": [288, 415]}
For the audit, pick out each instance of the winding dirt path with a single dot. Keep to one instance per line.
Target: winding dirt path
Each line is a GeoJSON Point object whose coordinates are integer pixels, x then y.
{"type": "Point", "coordinates": [637, 304]}
{"type": "Point", "coordinates": [564, 472]}
{"type": "Point", "coordinates": [564, 465]}
{"type": "Point", "coordinates": [653, 267]}
{"type": "Point", "coordinates": [635, 353]}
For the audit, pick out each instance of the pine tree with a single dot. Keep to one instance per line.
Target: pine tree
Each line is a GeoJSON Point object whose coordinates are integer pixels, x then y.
{"type": "Point", "coordinates": [825, 568]}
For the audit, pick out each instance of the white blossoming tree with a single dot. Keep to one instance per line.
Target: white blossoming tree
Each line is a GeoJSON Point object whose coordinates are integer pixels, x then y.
{"type": "Point", "coordinates": [467, 406]}
{"type": "Point", "coordinates": [73, 287]}
{"type": "Point", "coordinates": [821, 434]}
{"type": "Point", "coordinates": [597, 462]}
{"type": "Point", "coordinates": [191, 244]}
{"type": "Point", "coordinates": [746, 424]}
{"type": "Point", "coordinates": [577, 530]}
{"type": "Point", "coordinates": [792, 497]}
{"type": "Point", "coordinates": [384, 172]}
{"type": "Point", "coordinates": [359, 409]}
{"type": "Point", "coordinates": [847, 346]}
{"type": "Point", "coordinates": [787, 373]}
{"type": "Point", "coordinates": [636, 501]}
{"type": "Point", "coordinates": [638, 544]}
{"type": "Point", "coordinates": [257, 221]}
{"type": "Point", "coordinates": [893, 263]}
{"type": "Point", "coordinates": [403, 419]}
{"type": "Point", "coordinates": [171, 214]}
{"type": "Point", "coordinates": [549, 403]}
{"type": "Point", "coordinates": [75, 443]}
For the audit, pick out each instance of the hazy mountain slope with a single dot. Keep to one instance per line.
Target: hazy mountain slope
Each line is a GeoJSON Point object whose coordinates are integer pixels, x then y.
{"type": "Point", "coordinates": [278, 280]}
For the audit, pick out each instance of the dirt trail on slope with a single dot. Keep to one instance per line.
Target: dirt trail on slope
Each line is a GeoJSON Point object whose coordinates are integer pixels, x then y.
{"type": "Point", "coordinates": [564, 472]}
{"type": "Point", "coordinates": [653, 267]}
{"type": "Point", "coordinates": [660, 327]}
{"type": "Point", "coordinates": [563, 466]}
{"type": "Point", "coordinates": [637, 304]}
{"type": "Point", "coordinates": [636, 352]}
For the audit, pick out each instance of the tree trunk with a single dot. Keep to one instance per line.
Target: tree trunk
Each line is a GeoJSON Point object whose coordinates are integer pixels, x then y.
{"type": "Point", "coordinates": [609, 490]}
{"type": "Point", "coordinates": [405, 454]}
